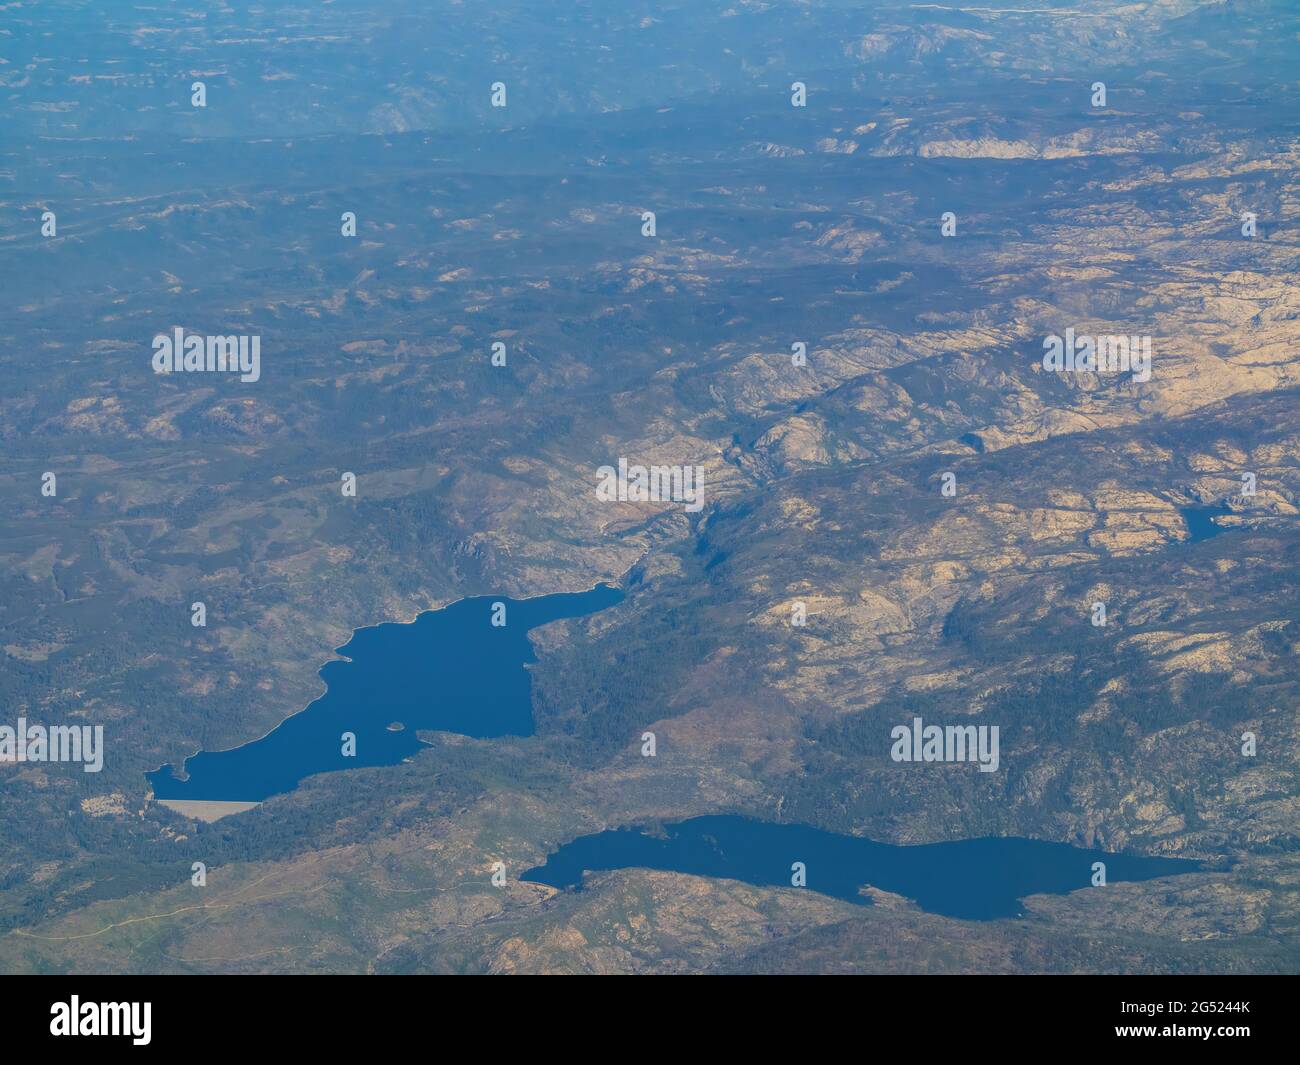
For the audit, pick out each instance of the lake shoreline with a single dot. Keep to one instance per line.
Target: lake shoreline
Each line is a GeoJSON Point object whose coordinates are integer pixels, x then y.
{"type": "Point", "coordinates": [439, 649]}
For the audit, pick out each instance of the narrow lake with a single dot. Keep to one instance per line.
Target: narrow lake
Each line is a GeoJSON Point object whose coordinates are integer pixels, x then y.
{"type": "Point", "coordinates": [974, 879]}
{"type": "Point", "coordinates": [449, 670]}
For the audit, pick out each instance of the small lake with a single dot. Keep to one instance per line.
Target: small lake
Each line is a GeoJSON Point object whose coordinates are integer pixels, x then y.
{"type": "Point", "coordinates": [974, 879]}
{"type": "Point", "coordinates": [1200, 522]}
{"type": "Point", "coordinates": [449, 670]}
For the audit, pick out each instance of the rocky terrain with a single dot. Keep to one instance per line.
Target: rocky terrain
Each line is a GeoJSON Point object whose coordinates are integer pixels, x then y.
{"type": "Point", "coordinates": [824, 478]}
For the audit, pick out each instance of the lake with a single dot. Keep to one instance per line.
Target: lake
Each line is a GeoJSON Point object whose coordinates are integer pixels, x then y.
{"type": "Point", "coordinates": [974, 879]}
{"type": "Point", "coordinates": [1200, 522]}
{"type": "Point", "coordinates": [449, 670]}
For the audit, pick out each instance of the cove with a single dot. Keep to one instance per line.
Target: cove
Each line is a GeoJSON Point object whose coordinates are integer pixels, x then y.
{"type": "Point", "coordinates": [449, 670]}
{"type": "Point", "coordinates": [973, 879]}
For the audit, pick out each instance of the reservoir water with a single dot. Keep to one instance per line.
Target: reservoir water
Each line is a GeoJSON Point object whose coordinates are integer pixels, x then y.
{"type": "Point", "coordinates": [1200, 522]}
{"type": "Point", "coordinates": [449, 670]}
{"type": "Point", "coordinates": [975, 879]}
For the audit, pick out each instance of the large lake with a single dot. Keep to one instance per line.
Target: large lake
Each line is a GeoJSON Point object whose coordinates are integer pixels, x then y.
{"type": "Point", "coordinates": [975, 879]}
{"type": "Point", "coordinates": [449, 670]}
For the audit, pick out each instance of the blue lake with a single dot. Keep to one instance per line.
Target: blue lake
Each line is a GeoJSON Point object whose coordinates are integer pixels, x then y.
{"type": "Point", "coordinates": [1200, 522]}
{"type": "Point", "coordinates": [449, 670]}
{"type": "Point", "coordinates": [975, 879]}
